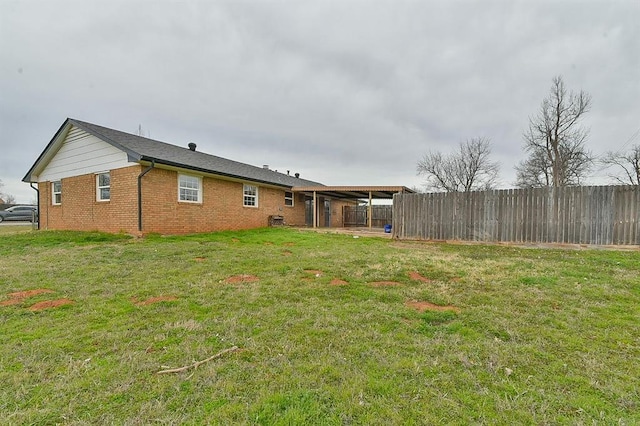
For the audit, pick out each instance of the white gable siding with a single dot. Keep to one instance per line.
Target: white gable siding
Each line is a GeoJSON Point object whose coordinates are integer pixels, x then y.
{"type": "Point", "coordinates": [80, 154]}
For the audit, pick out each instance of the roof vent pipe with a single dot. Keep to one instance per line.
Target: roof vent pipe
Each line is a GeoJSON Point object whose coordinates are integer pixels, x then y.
{"type": "Point", "coordinates": [297, 175]}
{"type": "Point", "coordinates": [192, 146]}
{"type": "Point", "coordinates": [265, 166]}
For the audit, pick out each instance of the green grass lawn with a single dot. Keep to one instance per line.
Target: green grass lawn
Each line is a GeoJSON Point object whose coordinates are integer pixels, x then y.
{"type": "Point", "coordinates": [532, 336]}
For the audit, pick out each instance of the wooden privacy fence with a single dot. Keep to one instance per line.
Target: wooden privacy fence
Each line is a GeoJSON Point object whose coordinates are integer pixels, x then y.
{"type": "Point", "coordinates": [578, 215]}
{"type": "Point", "coordinates": [381, 215]}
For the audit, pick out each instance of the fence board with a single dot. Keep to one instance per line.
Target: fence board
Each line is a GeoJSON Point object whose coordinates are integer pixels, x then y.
{"type": "Point", "coordinates": [381, 215]}
{"type": "Point", "coordinates": [579, 215]}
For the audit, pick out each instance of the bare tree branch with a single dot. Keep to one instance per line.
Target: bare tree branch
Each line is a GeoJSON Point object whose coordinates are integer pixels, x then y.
{"type": "Point", "coordinates": [468, 169]}
{"type": "Point", "coordinates": [629, 162]}
{"type": "Point", "coordinates": [6, 198]}
{"type": "Point", "coordinates": [198, 363]}
{"type": "Point", "coordinates": [555, 143]}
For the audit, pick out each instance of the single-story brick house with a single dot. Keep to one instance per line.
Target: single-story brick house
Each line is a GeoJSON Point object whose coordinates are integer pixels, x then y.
{"type": "Point", "coordinates": [91, 177]}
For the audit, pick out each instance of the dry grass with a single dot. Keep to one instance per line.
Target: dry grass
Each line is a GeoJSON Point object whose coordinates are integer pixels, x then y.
{"type": "Point", "coordinates": [541, 336]}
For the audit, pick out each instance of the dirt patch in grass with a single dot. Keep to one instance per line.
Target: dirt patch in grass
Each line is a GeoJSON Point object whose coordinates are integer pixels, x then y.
{"type": "Point", "coordinates": [315, 272]}
{"type": "Point", "coordinates": [415, 276]}
{"type": "Point", "coordinates": [337, 281]}
{"type": "Point", "coordinates": [29, 293]}
{"type": "Point", "coordinates": [287, 252]}
{"type": "Point", "coordinates": [152, 300]}
{"type": "Point", "coordinates": [422, 306]}
{"type": "Point", "coordinates": [199, 259]}
{"type": "Point", "coordinates": [289, 244]}
{"type": "Point", "coordinates": [47, 304]}
{"type": "Point", "coordinates": [18, 297]}
{"type": "Point", "coordinates": [11, 302]}
{"type": "Point", "coordinates": [241, 278]}
{"type": "Point", "coordinates": [385, 284]}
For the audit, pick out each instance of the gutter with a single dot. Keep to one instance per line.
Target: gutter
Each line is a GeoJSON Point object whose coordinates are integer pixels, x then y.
{"type": "Point", "coordinates": [140, 176]}
{"type": "Point", "coordinates": [37, 202]}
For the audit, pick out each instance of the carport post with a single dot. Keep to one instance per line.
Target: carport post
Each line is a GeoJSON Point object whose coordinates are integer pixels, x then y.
{"type": "Point", "coordinates": [370, 210]}
{"type": "Point", "coordinates": [315, 211]}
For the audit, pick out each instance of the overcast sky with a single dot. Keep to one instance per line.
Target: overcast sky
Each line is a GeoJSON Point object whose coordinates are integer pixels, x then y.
{"type": "Point", "coordinates": [344, 92]}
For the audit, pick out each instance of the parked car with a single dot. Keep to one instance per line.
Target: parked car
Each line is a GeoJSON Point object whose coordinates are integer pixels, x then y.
{"type": "Point", "coordinates": [19, 213]}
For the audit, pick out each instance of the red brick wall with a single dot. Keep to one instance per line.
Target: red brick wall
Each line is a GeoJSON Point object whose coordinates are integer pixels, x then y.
{"type": "Point", "coordinates": [79, 209]}
{"type": "Point", "coordinates": [221, 208]}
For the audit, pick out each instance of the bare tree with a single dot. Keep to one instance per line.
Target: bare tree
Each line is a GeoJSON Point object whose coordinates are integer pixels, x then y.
{"type": "Point", "coordinates": [6, 198]}
{"type": "Point", "coordinates": [629, 162]}
{"type": "Point", "coordinates": [468, 169]}
{"type": "Point", "coordinates": [555, 141]}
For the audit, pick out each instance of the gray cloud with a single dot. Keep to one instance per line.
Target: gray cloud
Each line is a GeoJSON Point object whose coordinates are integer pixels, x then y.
{"type": "Point", "coordinates": [347, 92]}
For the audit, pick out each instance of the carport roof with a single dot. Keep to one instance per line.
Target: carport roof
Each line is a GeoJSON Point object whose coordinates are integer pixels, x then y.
{"type": "Point", "coordinates": [353, 192]}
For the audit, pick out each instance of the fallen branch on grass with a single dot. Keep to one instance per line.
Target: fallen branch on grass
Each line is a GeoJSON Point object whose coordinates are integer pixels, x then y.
{"type": "Point", "coordinates": [198, 363]}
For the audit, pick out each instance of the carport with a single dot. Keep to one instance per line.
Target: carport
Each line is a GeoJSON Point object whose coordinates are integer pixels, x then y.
{"type": "Point", "coordinates": [349, 193]}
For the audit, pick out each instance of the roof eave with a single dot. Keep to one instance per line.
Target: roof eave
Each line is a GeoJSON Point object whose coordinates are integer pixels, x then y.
{"type": "Point", "coordinates": [64, 128]}
{"type": "Point", "coordinates": [131, 155]}
{"type": "Point", "coordinates": [354, 192]}
{"type": "Point", "coordinates": [59, 137]}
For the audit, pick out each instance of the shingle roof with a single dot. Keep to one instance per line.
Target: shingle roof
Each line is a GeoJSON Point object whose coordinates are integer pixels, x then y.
{"type": "Point", "coordinates": [143, 149]}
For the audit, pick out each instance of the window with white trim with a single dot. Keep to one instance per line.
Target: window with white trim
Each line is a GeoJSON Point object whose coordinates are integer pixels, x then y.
{"type": "Point", "coordinates": [288, 198]}
{"type": "Point", "coordinates": [103, 186]}
{"type": "Point", "coordinates": [189, 189]}
{"type": "Point", "coordinates": [250, 196]}
{"type": "Point", "coordinates": [56, 193]}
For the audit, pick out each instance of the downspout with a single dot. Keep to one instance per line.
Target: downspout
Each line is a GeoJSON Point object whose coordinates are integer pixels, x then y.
{"type": "Point", "coordinates": [140, 176]}
{"type": "Point", "coordinates": [37, 202]}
